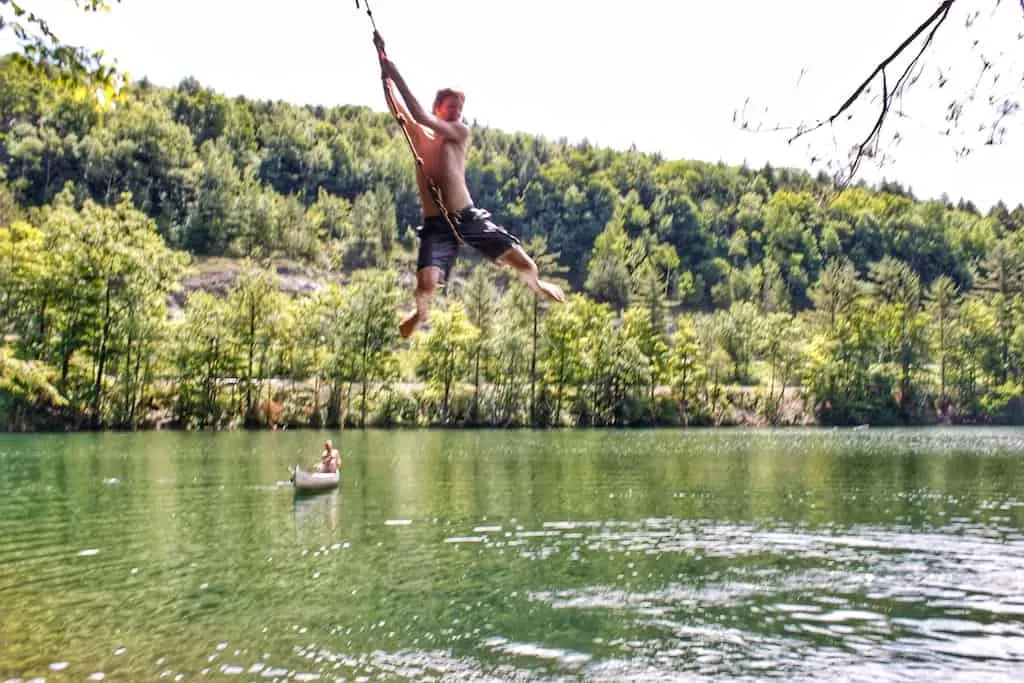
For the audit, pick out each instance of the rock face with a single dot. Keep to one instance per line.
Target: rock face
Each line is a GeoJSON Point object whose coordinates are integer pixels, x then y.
{"type": "Point", "coordinates": [218, 276]}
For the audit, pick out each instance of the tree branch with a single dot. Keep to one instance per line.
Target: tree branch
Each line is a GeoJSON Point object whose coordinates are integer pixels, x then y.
{"type": "Point", "coordinates": [933, 22]}
{"type": "Point", "coordinates": [942, 11]}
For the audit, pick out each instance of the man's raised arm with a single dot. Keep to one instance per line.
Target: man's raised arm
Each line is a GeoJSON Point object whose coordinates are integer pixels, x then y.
{"type": "Point", "coordinates": [395, 105]}
{"type": "Point", "coordinates": [452, 130]}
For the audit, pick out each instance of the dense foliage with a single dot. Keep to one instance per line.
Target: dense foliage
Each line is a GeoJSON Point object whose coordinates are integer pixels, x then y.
{"type": "Point", "coordinates": [704, 293]}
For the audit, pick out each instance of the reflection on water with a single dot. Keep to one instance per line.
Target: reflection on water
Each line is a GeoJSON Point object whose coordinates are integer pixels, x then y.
{"type": "Point", "coordinates": [644, 555]}
{"type": "Point", "coordinates": [317, 511]}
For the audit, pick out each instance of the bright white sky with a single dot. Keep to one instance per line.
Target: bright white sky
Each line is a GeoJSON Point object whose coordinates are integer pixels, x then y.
{"type": "Point", "coordinates": [664, 75]}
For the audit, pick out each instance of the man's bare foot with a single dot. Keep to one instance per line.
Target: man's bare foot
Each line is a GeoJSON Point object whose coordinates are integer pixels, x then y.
{"type": "Point", "coordinates": [409, 324]}
{"type": "Point", "coordinates": [551, 290]}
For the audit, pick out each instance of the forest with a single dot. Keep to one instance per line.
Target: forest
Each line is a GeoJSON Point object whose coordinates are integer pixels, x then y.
{"type": "Point", "coordinates": [181, 259]}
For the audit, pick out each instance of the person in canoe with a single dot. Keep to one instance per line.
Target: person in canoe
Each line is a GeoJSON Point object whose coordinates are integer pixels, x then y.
{"type": "Point", "coordinates": [330, 459]}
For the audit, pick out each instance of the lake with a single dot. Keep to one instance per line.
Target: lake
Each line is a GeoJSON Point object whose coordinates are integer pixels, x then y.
{"type": "Point", "coordinates": [869, 555]}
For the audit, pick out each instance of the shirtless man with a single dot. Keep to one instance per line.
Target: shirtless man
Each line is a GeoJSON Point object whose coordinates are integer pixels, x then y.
{"type": "Point", "coordinates": [442, 141]}
{"type": "Point", "coordinates": [330, 459]}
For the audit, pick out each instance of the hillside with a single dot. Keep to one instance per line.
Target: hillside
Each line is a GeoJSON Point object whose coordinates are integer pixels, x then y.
{"type": "Point", "coordinates": [192, 252]}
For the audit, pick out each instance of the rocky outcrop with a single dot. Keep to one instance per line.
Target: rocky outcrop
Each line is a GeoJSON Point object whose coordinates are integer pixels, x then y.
{"type": "Point", "coordinates": [217, 276]}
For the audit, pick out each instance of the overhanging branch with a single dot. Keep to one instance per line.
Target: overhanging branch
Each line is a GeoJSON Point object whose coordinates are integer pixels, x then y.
{"type": "Point", "coordinates": [931, 25]}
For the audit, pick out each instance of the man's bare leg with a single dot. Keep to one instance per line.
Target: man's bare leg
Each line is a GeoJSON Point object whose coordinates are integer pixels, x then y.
{"type": "Point", "coordinates": [426, 282]}
{"type": "Point", "coordinates": [520, 261]}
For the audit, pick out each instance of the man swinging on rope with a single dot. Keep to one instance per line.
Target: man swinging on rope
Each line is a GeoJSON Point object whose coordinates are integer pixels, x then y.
{"type": "Point", "coordinates": [441, 140]}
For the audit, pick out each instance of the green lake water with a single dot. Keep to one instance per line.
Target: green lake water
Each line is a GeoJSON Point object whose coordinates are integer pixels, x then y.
{"type": "Point", "coordinates": [869, 555]}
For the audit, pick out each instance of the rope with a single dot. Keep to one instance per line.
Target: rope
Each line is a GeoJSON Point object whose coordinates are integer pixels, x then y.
{"type": "Point", "coordinates": [435, 191]}
{"type": "Point", "coordinates": [369, 14]}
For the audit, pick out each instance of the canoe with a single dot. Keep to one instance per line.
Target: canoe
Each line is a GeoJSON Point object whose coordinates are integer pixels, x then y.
{"type": "Point", "coordinates": [314, 481]}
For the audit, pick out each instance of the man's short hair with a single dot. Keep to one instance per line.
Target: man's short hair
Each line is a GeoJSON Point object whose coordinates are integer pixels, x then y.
{"type": "Point", "coordinates": [448, 92]}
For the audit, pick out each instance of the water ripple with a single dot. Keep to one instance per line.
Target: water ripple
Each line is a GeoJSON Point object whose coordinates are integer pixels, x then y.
{"type": "Point", "coordinates": [669, 555]}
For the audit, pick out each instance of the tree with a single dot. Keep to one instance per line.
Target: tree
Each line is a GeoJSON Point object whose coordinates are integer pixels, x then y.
{"type": "Point", "coordinates": [513, 358]}
{"type": "Point", "coordinates": [213, 218]}
{"type": "Point", "coordinates": [975, 358]}
{"type": "Point", "coordinates": [372, 299]}
{"type": "Point", "coordinates": [1001, 282]}
{"type": "Point", "coordinates": [640, 328]}
{"type": "Point", "coordinates": [738, 331]}
{"type": "Point", "coordinates": [255, 304]}
{"type": "Point", "coordinates": [109, 269]}
{"type": "Point", "coordinates": [781, 347]}
{"type": "Point", "coordinates": [895, 282]}
{"type": "Point", "coordinates": [649, 290]}
{"type": "Point", "coordinates": [41, 46]}
{"type": "Point", "coordinates": [840, 372]}
{"type": "Point", "coordinates": [480, 297]}
{"type": "Point", "coordinates": [443, 351]}
{"type": "Point", "coordinates": [141, 150]}
{"type": "Point", "coordinates": [608, 276]}
{"type": "Point", "coordinates": [901, 322]}
{"type": "Point", "coordinates": [373, 230]}
{"type": "Point", "coordinates": [204, 357]}
{"type": "Point", "coordinates": [943, 299]}
{"type": "Point", "coordinates": [25, 386]}
{"type": "Point", "coordinates": [547, 262]}
{"type": "Point", "coordinates": [564, 334]}
{"type": "Point", "coordinates": [22, 269]}
{"type": "Point", "coordinates": [791, 222]}
{"type": "Point", "coordinates": [614, 367]}
{"type": "Point", "coordinates": [685, 366]}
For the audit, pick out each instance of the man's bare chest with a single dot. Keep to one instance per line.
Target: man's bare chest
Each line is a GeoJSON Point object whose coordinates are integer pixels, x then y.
{"type": "Point", "coordinates": [433, 145]}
